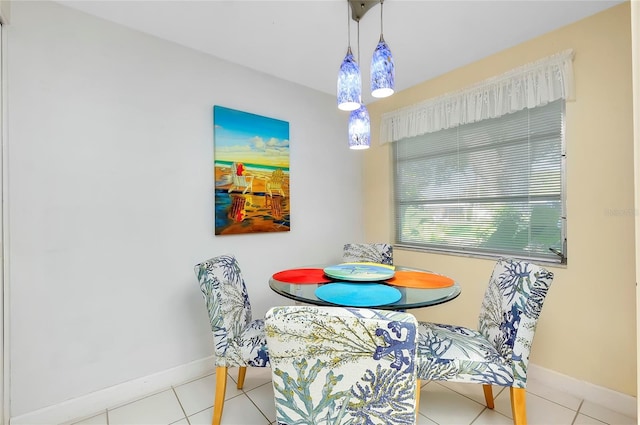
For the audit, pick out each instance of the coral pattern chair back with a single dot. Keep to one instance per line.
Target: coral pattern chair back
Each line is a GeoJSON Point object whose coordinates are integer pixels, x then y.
{"type": "Point", "coordinates": [237, 338]}
{"type": "Point", "coordinates": [335, 365]}
{"type": "Point", "coordinates": [381, 253]}
{"type": "Point", "coordinates": [497, 353]}
{"type": "Point", "coordinates": [510, 311]}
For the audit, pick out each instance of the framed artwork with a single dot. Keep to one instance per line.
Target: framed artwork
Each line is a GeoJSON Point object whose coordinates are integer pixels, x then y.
{"type": "Point", "coordinates": [251, 173]}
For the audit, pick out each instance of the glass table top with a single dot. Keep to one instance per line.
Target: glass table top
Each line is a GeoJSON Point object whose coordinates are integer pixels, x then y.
{"type": "Point", "coordinates": [409, 297]}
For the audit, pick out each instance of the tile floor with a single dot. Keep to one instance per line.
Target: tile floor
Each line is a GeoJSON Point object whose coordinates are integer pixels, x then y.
{"type": "Point", "coordinates": [456, 404]}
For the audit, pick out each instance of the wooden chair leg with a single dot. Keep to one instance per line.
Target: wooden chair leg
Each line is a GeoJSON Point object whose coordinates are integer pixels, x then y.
{"type": "Point", "coordinates": [221, 388]}
{"type": "Point", "coordinates": [242, 371]}
{"type": "Point", "coordinates": [518, 405]}
{"type": "Point", "coordinates": [488, 395]}
{"type": "Point", "coordinates": [417, 397]}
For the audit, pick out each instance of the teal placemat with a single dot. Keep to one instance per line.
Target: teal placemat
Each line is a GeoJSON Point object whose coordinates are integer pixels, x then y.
{"type": "Point", "coordinates": [358, 294]}
{"type": "Point", "coordinates": [359, 272]}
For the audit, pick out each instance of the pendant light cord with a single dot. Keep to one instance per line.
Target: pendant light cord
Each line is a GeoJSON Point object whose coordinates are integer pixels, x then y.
{"type": "Point", "coordinates": [358, 41]}
{"type": "Point", "coordinates": [381, 4]}
{"type": "Point", "coordinates": [348, 25]}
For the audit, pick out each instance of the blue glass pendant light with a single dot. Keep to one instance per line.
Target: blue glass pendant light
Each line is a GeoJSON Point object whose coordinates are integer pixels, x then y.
{"type": "Point", "coordinates": [383, 71]}
{"type": "Point", "coordinates": [359, 122]}
{"type": "Point", "coordinates": [349, 80]}
{"type": "Point", "coordinates": [349, 84]}
{"type": "Point", "coordinates": [359, 128]}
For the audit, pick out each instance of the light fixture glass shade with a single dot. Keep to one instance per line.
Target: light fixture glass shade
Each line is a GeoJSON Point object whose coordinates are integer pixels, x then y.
{"type": "Point", "coordinates": [383, 71]}
{"type": "Point", "coordinates": [349, 84]}
{"type": "Point", "coordinates": [359, 128]}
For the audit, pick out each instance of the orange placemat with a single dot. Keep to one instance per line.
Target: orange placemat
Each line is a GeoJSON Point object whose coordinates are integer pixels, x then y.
{"type": "Point", "coordinates": [412, 279]}
{"type": "Point", "coordinates": [312, 275]}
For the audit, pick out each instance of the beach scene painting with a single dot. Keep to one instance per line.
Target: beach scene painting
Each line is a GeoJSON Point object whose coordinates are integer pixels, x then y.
{"type": "Point", "coordinates": [251, 173]}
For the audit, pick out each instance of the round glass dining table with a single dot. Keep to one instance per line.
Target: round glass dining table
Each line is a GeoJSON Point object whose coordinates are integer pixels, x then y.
{"type": "Point", "coordinates": [410, 297]}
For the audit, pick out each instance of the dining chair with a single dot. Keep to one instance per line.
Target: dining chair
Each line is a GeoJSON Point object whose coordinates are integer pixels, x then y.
{"type": "Point", "coordinates": [342, 365]}
{"type": "Point", "coordinates": [498, 352]}
{"type": "Point", "coordinates": [368, 252]}
{"type": "Point", "coordinates": [239, 340]}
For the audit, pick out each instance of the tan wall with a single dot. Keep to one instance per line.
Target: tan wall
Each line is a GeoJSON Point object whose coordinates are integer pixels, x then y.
{"type": "Point", "coordinates": [635, 48]}
{"type": "Point", "coordinates": [588, 327]}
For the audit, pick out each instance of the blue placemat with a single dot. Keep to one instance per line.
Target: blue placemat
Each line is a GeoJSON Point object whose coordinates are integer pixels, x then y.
{"type": "Point", "coordinates": [358, 294]}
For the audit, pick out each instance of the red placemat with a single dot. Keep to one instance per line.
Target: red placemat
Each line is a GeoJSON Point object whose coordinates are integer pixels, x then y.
{"type": "Point", "coordinates": [412, 279]}
{"type": "Point", "coordinates": [302, 276]}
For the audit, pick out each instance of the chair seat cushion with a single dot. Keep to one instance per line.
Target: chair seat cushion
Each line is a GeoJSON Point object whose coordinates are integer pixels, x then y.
{"type": "Point", "coordinates": [459, 354]}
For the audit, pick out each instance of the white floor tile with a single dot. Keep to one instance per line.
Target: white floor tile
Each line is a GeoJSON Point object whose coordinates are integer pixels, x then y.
{"type": "Point", "coordinates": [237, 411]}
{"type": "Point", "coordinates": [551, 394]}
{"type": "Point", "coordinates": [197, 395]}
{"type": "Point", "coordinates": [586, 420]}
{"type": "Point", "coordinates": [445, 406]}
{"type": "Point", "coordinates": [605, 415]}
{"type": "Point", "coordinates": [241, 411]}
{"type": "Point", "coordinates": [263, 398]}
{"type": "Point", "coordinates": [491, 417]}
{"type": "Point", "coordinates": [204, 417]}
{"type": "Point", "coordinates": [159, 409]}
{"type": "Point", "coordinates": [473, 391]}
{"type": "Point", "coordinates": [255, 377]}
{"type": "Point", "coordinates": [423, 420]}
{"type": "Point", "coordinates": [100, 419]}
{"type": "Point", "coordinates": [182, 421]}
{"type": "Point", "coordinates": [539, 410]}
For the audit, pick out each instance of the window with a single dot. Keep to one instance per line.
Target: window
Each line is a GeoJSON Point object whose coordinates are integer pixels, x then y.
{"type": "Point", "coordinates": [490, 188]}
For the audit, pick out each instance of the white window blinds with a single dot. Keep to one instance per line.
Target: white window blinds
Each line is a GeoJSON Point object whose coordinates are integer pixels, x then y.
{"type": "Point", "coordinates": [492, 187]}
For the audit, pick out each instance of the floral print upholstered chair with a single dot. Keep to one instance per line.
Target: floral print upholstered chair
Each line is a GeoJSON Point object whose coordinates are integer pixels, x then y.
{"type": "Point", "coordinates": [239, 340]}
{"type": "Point", "coordinates": [335, 365]}
{"type": "Point", "coordinates": [368, 252]}
{"type": "Point", "coordinates": [498, 352]}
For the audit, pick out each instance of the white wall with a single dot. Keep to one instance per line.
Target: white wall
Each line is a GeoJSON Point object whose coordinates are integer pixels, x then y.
{"type": "Point", "coordinates": [4, 393]}
{"type": "Point", "coordinates": [110, 180]}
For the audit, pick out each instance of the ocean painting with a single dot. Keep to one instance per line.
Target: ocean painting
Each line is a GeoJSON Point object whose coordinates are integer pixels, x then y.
{"type": "Point", "coordinates": [251, 173]}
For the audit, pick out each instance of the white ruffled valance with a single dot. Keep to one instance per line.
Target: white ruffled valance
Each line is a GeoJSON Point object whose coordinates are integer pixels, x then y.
{"type": "Point", "coordinates": [527, 86]}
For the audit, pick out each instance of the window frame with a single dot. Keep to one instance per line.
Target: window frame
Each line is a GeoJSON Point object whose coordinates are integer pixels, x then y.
{"type": "Point", "coordinates": [555, 257]}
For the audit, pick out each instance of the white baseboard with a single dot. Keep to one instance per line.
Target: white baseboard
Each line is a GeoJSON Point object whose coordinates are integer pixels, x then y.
{"type": "Point", "coordinates": [118, 394]}
{"type": "Point", "coordinates": [138, 388]}
{"type": "Point", "coordinates": [619, 402]}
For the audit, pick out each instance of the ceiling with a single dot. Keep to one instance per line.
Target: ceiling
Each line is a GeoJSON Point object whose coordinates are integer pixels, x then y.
{"type": "Point", "coordinates": [304, 41]}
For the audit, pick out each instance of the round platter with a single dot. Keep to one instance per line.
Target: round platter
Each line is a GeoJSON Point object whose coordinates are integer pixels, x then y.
{"type": "Point", "coordinates": [359, 272]}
